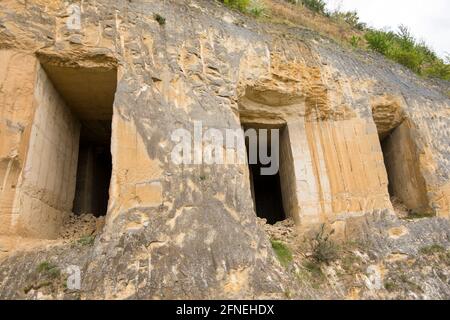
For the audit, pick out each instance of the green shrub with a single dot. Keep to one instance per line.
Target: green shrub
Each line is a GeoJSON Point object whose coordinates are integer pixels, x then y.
{"type": "Point", "coordinates": [355, 41]}
{"type": "Point", "coordinates": [257, 8]}
{"type": "Point", "coordinates": [400, 46]}
{"type": "Point", "coordinates": [403, 48]}
{"type": "Point", "coordinates": [283, 253]}
{"type": "Point", "coordinates": [409, 58]}
{"type": "Point", "coordinates": [45, 266]}
{"type": "Point", "coordinates": [350, 17]}
{"type": "Point", "coordinates": [48, 269]}
{"type": "Point", "coordinates": [379, 41]}
{"type": "Point", "coordinates": [438, 69]}
{"type": "Point", "coordinates": [324, 250]}
{"type": "Point", "coordinates": [404, 38]}
{"type": "Point", "coordinates": [160, 19]}
{"type": "Point", "coordinates": [241, 5]}
{"type": "Point", "coordinates": [317, 6]}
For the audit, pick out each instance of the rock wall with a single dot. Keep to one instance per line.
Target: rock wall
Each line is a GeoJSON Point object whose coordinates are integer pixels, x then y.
{"type": "Point", "coordinates": [17, 80]}
{"type": "Point", "coordinates": [403, 165]}
{"type": "Point", "coordinates": [46, 187]}
{"type": "Point", "coordinates": [178, 231]}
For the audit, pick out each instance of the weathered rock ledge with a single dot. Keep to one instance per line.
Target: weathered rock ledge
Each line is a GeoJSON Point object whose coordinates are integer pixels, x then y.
{"type": "Point", "coordinates": [356, 130]}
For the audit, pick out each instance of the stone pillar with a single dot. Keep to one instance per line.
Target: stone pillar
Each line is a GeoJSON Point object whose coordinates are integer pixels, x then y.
{"type": "Point", "coordinates": [306, 187]}
{"type": "Point", "coordinates": [403, 166]}
{"type": "Point", "coordinates": [17, 79]}
{"type": "Point", "coordinates": [338, 169]}
{"type": "Point", "coordinates": [136, 178]}
{"type": "Point", "coordinates": [46, 187]}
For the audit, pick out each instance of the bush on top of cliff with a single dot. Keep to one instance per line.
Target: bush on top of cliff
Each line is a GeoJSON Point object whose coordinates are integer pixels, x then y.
{"type": "Point", "coordinates": [399, 46]}
{"type": "Point", "coordinates": [403, 48]}
{"type": "Point", "coordinates": [346, 27]}
{"type": "Point", "coordinates": [241, 5]}
{"type": "Point", "coordinates": [317, 6]}
{"type": "Point", "coordinates": [349, 17]}
{"type": "Point", "coordinates": [254, 7]}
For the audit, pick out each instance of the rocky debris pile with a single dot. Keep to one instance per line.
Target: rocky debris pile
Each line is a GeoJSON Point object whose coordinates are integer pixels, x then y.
{"type": "Point", "coordinates": [78, 226]}
{"type": "Point", "coordinates": [286, 232]}
{"type": "Point", "coordinates": [399, 207]}
{"type": "Point", "coordinates": [283, 230]}
{"type": "Point", "coordinates": [391, 267]}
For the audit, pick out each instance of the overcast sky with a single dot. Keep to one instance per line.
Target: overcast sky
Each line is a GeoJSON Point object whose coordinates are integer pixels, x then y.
{"type": "Point", "coordinates": [428, 20]}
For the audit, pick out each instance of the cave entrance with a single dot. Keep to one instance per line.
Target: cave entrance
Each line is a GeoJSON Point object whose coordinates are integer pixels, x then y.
{"type": "Point", "coordinates": [406, 184]}
{"type": "Point", "coordinates": [93, 176]}
{"type": "Point", "coordinates": [88, 94]}
{"type": "Point", "coordinates": [267, 195]}
{"type": "Point", "coordinates": [266, 189]}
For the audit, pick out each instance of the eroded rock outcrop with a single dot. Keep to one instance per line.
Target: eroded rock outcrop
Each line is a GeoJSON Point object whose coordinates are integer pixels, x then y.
{"type": "Point", "coordinates": [190, 231]}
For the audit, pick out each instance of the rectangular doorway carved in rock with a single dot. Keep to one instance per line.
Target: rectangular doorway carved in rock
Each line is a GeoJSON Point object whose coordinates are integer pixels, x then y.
{"type": "Point", "coordinates": [407, 187]}
{"type": "Point", "coordinates": [406, 183]}
{"type": "Point", "coordinates": [93, 176]}
{"type": "Point", "coordinates": [267, 190]}
{"type": "Point", "coordinates": [68, 165]}
{"type": "Point", "coordinates": [89, 94]}
{"type": "Point", "coordinates": [267, 195]}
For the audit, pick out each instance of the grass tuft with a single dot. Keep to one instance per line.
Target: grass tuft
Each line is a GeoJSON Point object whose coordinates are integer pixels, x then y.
{"type": "Point", "coordinates": [324, 250]}
{"type": "Point", "coordinates": [432, 249]}
{"type": "Point", "coordinates": [49, 269]}
{"type": "Point", "coordinates": [241, 5]}
{"type": "Point", "coordinates": [283, 253]}
{"type": "Point", "coordinates": [257, 8]}
{"type": "Point", "coordinates": [86, 240]}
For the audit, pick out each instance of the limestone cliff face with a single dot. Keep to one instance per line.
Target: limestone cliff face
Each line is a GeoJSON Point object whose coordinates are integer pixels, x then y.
{"type": "Point", "coordinates": [190, 231]}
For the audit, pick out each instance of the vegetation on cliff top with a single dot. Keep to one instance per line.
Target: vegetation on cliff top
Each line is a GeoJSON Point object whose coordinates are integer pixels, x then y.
{"type": "Point", "coordinates": [403, 48]}
{"type": "Point", "coordinates": [241, 5]}
{"type": "Point", "coordinates": [399, 46]}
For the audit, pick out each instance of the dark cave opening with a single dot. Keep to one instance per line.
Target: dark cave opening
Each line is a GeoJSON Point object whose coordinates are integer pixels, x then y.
{"type": "Point", "coordinates": [89, 94]}
{"type": "Point", "coordinates": [267, 195]}
{"type": "Point", "coordinates": [406, 184]}
{"type": "Point", "coordinates": [267, 189]}
{"type": "Point", "coordinates": [93, 177]}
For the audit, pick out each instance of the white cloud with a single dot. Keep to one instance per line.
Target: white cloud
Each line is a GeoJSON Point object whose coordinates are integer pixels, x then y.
{"type": "Point", "coordinates": [427, 20]}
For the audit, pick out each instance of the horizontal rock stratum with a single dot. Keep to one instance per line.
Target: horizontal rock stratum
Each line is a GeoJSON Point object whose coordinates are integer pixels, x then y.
{"type": "Point", "coordinates": [90, 95]}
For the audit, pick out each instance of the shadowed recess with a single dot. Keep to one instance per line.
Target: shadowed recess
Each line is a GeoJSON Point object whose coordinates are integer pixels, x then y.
{"type": "Point", "coordinates": [89, 94]}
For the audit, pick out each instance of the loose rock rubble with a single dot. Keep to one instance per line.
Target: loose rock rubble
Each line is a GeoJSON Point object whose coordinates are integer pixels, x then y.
{"type": "Point", "coordinates": [78, 226]}
{"type": "Point", "coordinates": [388, 268]}
{"type": "Point", "coordinates": [399, 207]}
{"type": "Point", "coordinates": [189, 231]}
{"type": "Point", "coordinates": [283, 230]}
